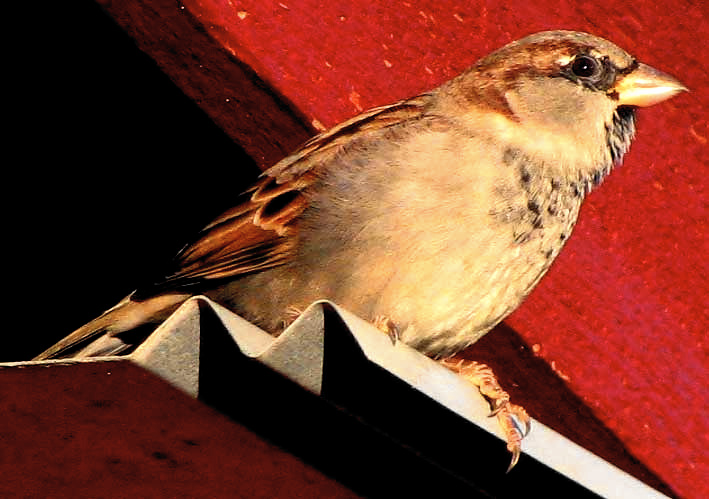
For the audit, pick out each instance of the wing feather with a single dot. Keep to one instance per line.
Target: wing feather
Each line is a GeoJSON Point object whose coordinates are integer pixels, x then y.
{"type": "Point", "coordinates": [260, 233]}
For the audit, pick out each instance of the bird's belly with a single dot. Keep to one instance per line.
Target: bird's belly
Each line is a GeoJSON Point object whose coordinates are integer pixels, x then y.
{"type": "Point", "coordinates": [441, 303]}
{"type": "Point", "coordinates": [444, 288]}
{"type": "Point", "coordinates": [449, 303]}
{"type": "Point", "coordinates": [452, 312]}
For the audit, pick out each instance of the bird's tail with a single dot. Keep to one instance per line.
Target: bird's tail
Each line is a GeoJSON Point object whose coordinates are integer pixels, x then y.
{"type": "Point", "coordinates": [106, 335]}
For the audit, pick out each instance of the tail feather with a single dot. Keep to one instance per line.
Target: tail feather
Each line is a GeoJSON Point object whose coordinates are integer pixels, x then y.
{"type": "Point", "coordinates": [100, 336]}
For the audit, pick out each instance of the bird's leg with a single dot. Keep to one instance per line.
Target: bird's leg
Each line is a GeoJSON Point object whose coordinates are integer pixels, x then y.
{"type": "Point", "coordinates": [388, 326]}
{"type": "Point", "coordinates": [513, 419]}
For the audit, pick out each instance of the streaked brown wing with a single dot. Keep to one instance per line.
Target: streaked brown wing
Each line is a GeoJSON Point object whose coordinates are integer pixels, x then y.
{"type": "Point", "coordinates": [259, 233]}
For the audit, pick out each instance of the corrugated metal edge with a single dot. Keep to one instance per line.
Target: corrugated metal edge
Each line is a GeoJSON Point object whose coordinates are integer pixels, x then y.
{"type": "Point", "coordinates": [172, 352]}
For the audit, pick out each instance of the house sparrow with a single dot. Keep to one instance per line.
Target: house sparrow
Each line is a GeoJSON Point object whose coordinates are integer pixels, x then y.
{"type": "Point", "coordinates": [434, 217]}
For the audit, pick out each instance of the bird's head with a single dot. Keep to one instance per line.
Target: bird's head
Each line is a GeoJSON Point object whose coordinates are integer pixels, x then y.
{"type": "Point", "coordinates": [564, 96]}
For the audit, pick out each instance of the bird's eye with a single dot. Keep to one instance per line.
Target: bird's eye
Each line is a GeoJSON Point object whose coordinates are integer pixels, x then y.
{"type": "Point", "coordinates": [585, 66]}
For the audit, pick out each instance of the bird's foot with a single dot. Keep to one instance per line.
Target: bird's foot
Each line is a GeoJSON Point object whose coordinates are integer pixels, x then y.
{"type": "Point", "coordinates": [291, 314]}
{"type": "Point", "coordinates": [388, 326]}
{"type": "Point", "coordinates": [513, 419]}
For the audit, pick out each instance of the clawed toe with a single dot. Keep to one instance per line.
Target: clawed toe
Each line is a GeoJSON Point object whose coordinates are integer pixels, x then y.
{"type": "Point", "coordinates": [522, 416]}
{"type": "Point", "coordinates": [291, 314]}
{"type": "Point", "coordinates": [497, 405]}
{"type": "Point", "coordinates": [516, 452]}
{"type": "Point", "coordinates": [515, 424]}
{"type": "Point", "coordinates": [388, 326]}
{"type": "Point", "coordinates": [517, 415]}
{"type": "Point", "coordinates": [513, 419]}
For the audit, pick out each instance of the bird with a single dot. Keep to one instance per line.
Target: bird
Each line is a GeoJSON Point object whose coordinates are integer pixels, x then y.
{"type": "Point", "coordinates": [432, 217]}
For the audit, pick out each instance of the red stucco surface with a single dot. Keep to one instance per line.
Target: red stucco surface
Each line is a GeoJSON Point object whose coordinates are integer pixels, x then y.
{"type": "Point", "coordinates": [623, 314]}
{"type": "Point", "coordinates": [115, 430]}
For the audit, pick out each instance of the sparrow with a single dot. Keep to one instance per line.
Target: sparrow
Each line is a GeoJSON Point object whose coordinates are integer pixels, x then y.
{"type": "Point", "coordinates": [433, 217]}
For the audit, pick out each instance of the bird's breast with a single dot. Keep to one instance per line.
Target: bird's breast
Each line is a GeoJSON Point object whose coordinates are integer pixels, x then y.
{"type": "Point", "coordinates": [528, 215]}
{"type": "Point", "coordinates": [443, 235]}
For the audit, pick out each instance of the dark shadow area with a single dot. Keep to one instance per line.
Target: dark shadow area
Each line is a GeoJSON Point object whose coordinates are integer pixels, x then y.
{"type": "Point", "coordinates": [118, 169]}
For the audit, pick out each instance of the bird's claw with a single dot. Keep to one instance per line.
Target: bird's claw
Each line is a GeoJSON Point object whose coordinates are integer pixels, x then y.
{"type": "Point", "coordinates": [513, 419]}
{"type": "Point", "coordinates": [515, 457]}
{"type": "Point", "coordinates": [515, 424]}
{"type": "Point", "coordinates": [518, 415]}
{"type": "Point", "coordinates": [291, 314]}
{"type": "Point", "coordinates": [496, 405]}
{"type": "Point", "coordinates": [388, 326]}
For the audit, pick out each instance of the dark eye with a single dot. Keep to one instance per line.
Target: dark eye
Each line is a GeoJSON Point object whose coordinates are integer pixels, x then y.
{"type": "Point", "coordinates": [585, 66]}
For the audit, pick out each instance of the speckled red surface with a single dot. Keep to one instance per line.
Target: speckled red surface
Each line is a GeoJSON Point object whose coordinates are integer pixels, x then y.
{"type": "Point", "coordinates": [119, 431]}
{"type": "Point", "coordinates": [623, 314]}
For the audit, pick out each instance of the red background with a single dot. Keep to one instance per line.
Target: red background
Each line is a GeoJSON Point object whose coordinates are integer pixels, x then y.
{"type": "Point", "coordinates": [621, 317]}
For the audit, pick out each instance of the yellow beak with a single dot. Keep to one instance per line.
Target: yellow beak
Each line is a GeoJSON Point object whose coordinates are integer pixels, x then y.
{"type": "Point", "coordinates": [646, 86]}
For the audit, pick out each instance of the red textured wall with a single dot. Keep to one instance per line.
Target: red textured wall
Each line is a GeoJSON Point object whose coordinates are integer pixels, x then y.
{"type": "Point", "coordinates": [114, 430]}
{"type": "Point", "coordinates": [622, 316]}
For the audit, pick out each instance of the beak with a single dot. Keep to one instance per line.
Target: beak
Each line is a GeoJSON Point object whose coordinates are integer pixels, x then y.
{"type": "Point", "coordinates": [645, 86]}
